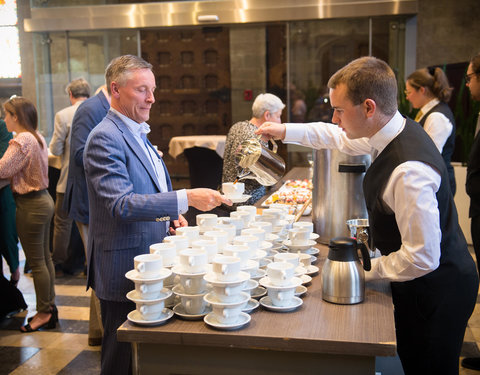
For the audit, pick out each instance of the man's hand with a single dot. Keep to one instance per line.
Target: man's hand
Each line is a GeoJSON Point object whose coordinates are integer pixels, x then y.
{"type": "Point", "coordinates": [181, 222]}
{"type": "Point", "coordinates": [206, 199]}
{"type": "Point", "coordinates": [270, 130]}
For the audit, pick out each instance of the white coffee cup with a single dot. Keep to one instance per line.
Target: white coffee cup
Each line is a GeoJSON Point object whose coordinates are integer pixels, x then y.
{"type": "Point", "coordinates": [269, 218]}
{"type": "Point", "coordinates": [281, 297]}
{"type": "Point", "coordinates": [148, 291]}
{"type": "Point", "coordinates": [226, 227]}
{"type": "Point", "coordinates": [233, 190]}
{"type": "Point", "coordinates": [304, 224]}
{"type": "Point", "coordinates": [193, 260]}
{"type": "Point", "coordinates": [305, 259]}
{"type": "Point", "coordinates": [299, 236]}
{"type": "Point", "coordinates": [219, 236]}
{"type": "Point", "coordinates": [257, 232]}
{"type": "Point", "coordinates": [239, 251]}
{"type": "Point", "coordinates": [226, 293]}
{"type": "Point", "coordinates": [167, 250]}
{"type": "Point", "coordinates": [226, 268]}
{"type": "Point", "coordinates": [192, 233]}
{"type": "Point", "coordinates": [210, 246]}
{"type": "Point", "coordinates": [148, 266]}
{"type": "Point", "coordinates": [234, 221]}
{"type": "Point", "coordinates": [242, 215]}
{"type": "Point", "coordinates": [206, 221]}
{"type": "Point", "coordinates": [193, 284]}
{"type": "Point", "coordinates": [150, 310]}
{"type": "Point", "coordinates": [277, 212]}
{"type": "Point", "coordinates": [180, 242]}
{"type": "Point", "coordinates": [251, 241]}
{"type": "Point", "coordinates": [287, 257]}
{"type": "Point", "coordinates": [265, 225]}
{"type": "Point", "coordinates": [252, 210]}
{"type": "Point", "coordinates": [226, 314]}
{"type": "Point", "coordinates": [280, 273]}
{"type": "Point", "coordinates": [193, 304]}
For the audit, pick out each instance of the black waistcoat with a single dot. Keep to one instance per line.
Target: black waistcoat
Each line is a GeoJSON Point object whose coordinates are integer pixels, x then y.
{"type": "Point", "coordinates": [449, 145]}
{"type": "Point", "coordinates": [414, 144]}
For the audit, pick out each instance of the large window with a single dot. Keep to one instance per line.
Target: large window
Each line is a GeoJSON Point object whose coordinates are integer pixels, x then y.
{"type": "Point", "coordinates": [9, 44]}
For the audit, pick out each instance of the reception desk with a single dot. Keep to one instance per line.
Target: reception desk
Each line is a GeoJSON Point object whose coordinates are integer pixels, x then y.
{"type": "Point", "coordinates": [317, 338]}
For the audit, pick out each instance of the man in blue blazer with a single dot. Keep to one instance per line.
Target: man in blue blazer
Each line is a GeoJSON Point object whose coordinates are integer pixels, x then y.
{"type": "Point", "coordinates": [130, 198]}
{"type": "Point", "coordinates": [87, 116]}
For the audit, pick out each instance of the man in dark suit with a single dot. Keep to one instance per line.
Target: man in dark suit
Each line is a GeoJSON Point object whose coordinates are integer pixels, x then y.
{"type": "Point", "coordinates": [87, 116]}
{"type": "Point", "coordinates": [131, 202]}
{"type": "Point", "coordinates": [473, 179]}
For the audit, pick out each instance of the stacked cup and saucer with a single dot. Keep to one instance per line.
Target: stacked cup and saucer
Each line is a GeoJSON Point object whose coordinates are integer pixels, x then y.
{"type": "Point", "coordinates": [149, 294]}
{"type": "Point", "coordinates": [191, 288]}
{"type": "Point", "coordinates": [299, 270]}
{"type": "Point", "coordinates": [281, 285]}
{"type": "Point", "coordinates": [299, 241]}
{"type": "Point", "coordinates": [227, 297]}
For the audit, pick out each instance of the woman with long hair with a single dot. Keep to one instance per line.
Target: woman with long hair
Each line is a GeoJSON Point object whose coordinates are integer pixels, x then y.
{"type": "Point", "coordinates": [429, 91]}
{"type": "Point", "coordinates": [25, 163]}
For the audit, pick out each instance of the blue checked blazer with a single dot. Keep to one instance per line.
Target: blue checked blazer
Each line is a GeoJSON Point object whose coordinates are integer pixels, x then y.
{"type": "Point", "coordinates": [127, 211]}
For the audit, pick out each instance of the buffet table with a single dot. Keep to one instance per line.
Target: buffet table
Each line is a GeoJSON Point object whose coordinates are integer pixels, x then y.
{"type": "Point", "coordinates": [319, 337]}
{"type": "Point", "coordinates": [213, 142]}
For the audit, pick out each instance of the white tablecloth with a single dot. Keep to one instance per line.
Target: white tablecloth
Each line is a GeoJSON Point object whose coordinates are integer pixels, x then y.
{"type": "Point", "coordinates": [213, 142]}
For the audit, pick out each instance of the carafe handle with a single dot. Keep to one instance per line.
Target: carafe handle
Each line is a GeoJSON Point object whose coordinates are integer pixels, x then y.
{"type": "Point", "coordinates": [367, 266]}
{"type": "Point", "coordinates": [274, 144]}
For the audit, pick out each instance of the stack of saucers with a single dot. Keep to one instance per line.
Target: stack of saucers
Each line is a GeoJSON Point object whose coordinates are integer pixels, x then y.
{"type": "Point", "coordinates": [227, 298]}
{"type": "Point", "coordinates": [281, 285]}
{"type": "Point", "coordinates": [149, 294]}
{"type": "Point", "coordinates": [191, 287]}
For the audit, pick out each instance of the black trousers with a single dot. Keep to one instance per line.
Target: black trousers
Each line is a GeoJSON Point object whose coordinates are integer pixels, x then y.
{"type": "Point", "coordinates": [116, 356]}
{"type": "Point", "coordinates": [475, 229]}
{"type": "Point", "coordinates": [430, 322]}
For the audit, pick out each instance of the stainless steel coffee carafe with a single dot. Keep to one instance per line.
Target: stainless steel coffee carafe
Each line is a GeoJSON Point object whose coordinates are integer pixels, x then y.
{"type": "Point", "coordinates": [260, 163]}
{"type": "Point", "coordinates": [343, 276]}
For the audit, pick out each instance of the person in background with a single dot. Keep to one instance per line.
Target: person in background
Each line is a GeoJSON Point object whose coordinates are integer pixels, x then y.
{"type": "Point", "coordinates": [412, 215]}
{"type": "Point", "coordinates": [429, 91]}
{"type": "Point", "coordinates": [131, 202]}
{"type": "Point", "coordinates": [266, 107]}
{"type": "Point", "coordinates": [25, 163]}
{"type": "Point", "coordinates": [8, 227]}
{"type": "Point", "coordinates": [87, 116]}
{"type": "Point", "coordinates": [78, 91]}
{"type": "Point", "coordinates": [472, 185]}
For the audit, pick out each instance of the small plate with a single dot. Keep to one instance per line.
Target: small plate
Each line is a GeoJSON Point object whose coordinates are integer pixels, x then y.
{"type": "Point", "coordinates": [133, 275]}
{"type": "Point", "coordinates": [312, 270]}
{"type": "Point", "coordinates": [306, 279]}
{"type": "Point", "coordinates": [179, 310]}
{"type": "Point", "coordinates": [312, 251]}
{"type": "Point", "coordinates": [241, 278]}
{"type": "Point", "coordinates": [299, 271]}
{"type": "Point", "coordinates": [270, 237]}
{"type": "Point", "coordinates": [178, 270]}
{"type": "Point", "coordinates": [258, 274]}
{"type": "Point", "coordinates": [293, 247]}
{"type": "Point", "coordinates": [133, 296]}
{"type": "Point", "coordinates": [314, 236]}
{"type": "Point", "coordinates": [135, 317]}
{"type": "Point", "coordinates": [212, 321]}
{"type": "Point", "coordinates": [251, 305]}
{"type": "Point", "coordinates": [243, 198]}
{"type": "Point", "coordinates": [296, 281]}
{"type": "Point", "coordinates": [258, 292]}
{"type": "Point", "coordinates": [300, 291]}
{"type": "Point", "coordinates": [267, 303]}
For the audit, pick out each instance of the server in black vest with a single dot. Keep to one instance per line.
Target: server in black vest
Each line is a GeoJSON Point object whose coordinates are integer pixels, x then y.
{"type": "Point", "coordinates": [413, 217]}
{"type": "Point", "coordinates": [429, 91]}
{"type": "Point", "coordinates": [472, 80]}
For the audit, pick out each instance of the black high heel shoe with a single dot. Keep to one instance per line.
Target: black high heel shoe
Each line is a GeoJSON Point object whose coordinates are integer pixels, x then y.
{"type": "Point", "coordinates": [51, 324]}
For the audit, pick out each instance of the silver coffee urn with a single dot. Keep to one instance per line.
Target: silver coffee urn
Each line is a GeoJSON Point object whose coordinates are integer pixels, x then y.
{"type": "Point", "coordinates": [337, 192]}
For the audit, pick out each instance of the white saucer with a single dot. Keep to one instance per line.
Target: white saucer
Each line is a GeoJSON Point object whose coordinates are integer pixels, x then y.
{"type": "Point", "coordinates": [259, 273]}
{"type": "Point", "coordinates": [267, 303]}
{"type": "Point", "coordinates": [271, 237]}
{"type": "Point", "coordinates": [296, 281]}
{"type": "Point", "coordinates": [314, 236]}
{"type": "Point", "coordinates": [179, 310]}
{"type": "Point", "coordinates": [212, 321]}
{"type": "Point", "coordinates": [178, 270]}
{"type": "Point", "coordinates": [306, 279]}
{"type": "Point", "coordinates": [312, 270]}
{"type": "Point", "coordinates": [241, 278]}
{"type": "Point", "coordinates": [258, 292]}
{"type": "Point", "coordinates": [264, 262]}
{"type": "Point", "coordinates": [135, 317]}
{"type": "Point", "coordinates": [300, 291]}
{"type": "Point", "coordinates": [312, 251]}
{"type": "Point", "coordinates": [293, 247]}
{"type": "Point", "coordinates": [133, 275]}
{"type": "Point", "coordinates": [212, 299]}
{"type": "Point", "coordinates": [250, 265]}
{"type": "Point", "coordinates": [251, 305]}
{"type": "Point", "coordinates": [133, 296]}
{"type": "Point", "coordinates": [179, 291]}
{"type": "Point", "coordinates": [259, 254]}
{"type": "Point", "coordinates": [243, 198]}
{"type": "Point", "coordinates": [299, 271]}
{"type": "Point", "coordinates": [250, 285]}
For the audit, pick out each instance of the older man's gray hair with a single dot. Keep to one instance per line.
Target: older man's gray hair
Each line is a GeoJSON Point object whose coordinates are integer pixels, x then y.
{"type": "Point", "coordinates": [79, 88]}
